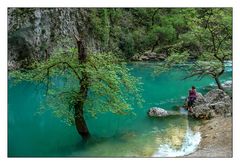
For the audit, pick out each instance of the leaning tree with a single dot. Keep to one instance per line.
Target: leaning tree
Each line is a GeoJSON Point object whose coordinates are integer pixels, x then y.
{"type": "Point", "coordinates": [211, 31]}
{"type": "Point", "coordinates": [208, 39]}
{"type": "Point", "coordinates": [78, 82]}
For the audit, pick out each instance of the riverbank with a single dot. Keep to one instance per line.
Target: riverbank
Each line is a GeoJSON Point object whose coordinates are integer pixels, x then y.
{"type": "Point", "coordinates": [216, 138]}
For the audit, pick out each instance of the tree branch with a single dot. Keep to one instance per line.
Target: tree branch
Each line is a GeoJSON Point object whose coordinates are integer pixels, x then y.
{"type": "Point", "coordinates": [155, 12]}
{"type": "Point", "coordinates": [69, 66]}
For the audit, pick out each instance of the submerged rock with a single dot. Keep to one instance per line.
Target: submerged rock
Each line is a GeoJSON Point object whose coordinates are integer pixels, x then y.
{"type": "Point", "coordinates": [157, 112]}
{"type": "Point", "coordinates": [227, 84]}
{"type": "Point", "coordinates": [175, 137]}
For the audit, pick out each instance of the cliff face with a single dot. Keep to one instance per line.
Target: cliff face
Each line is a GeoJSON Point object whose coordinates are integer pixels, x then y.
{"type": "Point", "coordinates": [34, 32]}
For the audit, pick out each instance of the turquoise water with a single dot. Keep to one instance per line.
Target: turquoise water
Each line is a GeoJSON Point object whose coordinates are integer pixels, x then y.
{"type": "Point", "coordinates": [33, 134]}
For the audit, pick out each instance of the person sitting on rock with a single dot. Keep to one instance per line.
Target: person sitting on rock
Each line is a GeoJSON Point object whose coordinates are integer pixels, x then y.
{"type": "Point", "coordinates": [192, 95]}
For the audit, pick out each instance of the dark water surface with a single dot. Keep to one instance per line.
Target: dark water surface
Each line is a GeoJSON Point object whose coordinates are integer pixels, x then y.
{"type": "Point", "coordinates": [31, 134]}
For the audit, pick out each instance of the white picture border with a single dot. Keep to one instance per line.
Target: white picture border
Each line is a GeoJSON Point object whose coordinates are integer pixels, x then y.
{"type": "Point", "coordinates": [119, 3]}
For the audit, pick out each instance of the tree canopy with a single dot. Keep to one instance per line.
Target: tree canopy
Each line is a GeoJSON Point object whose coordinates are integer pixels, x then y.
{"type": "Point", "coordinates": [131, 31]}
{"type": "Point", "coordinates": [208, 41]}
{"type": "Point", "coordinates": [95, 79]}
{"type": "Point", "coordinates": [112, 88]}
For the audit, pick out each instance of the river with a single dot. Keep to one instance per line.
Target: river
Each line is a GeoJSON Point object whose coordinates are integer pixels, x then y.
{"type": "Point", "coordinates": [31, 134]}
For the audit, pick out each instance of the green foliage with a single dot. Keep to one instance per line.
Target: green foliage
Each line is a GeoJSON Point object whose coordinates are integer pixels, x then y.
{"type": "Point", "coordinates": [139, 41]}
{"type": "Point", "coordinates": [202, 34]}
{"type": "Point", "coordinates": [126, 44]}
{"type": "Point", "coordinates": [100, 22]}
{"type": "Point", "coordinates": [130, 31]}
{"type": "Point", "coordinates": [172, 60]}
{"type": "Point", "coordinates": [212, 28]}
{"type": "Point", "coordinates": [161, 34]}
{"type": "Point", "coordinates": [206, 37]}
{"type": "Point", "coordinates": [112, 88]}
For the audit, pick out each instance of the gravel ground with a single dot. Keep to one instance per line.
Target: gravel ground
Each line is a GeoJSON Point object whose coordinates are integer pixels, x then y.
{"type": "Point", "coordinates": [216, 139]}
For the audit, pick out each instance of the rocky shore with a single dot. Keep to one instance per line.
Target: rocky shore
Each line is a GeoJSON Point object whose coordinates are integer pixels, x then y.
{"type": "Point", "coordinates": [216, 138]}
{"type": "Point", "coordinates": [215, 111]}
{"type": "Point", "coordinates": [216, 131]}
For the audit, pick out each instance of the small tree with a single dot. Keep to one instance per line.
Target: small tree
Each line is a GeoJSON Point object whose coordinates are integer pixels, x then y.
{"type": "Point", "coordinates": [211, 30]}
{"type": "Point", "coordinates": [90, 83]}
{"type": "Point", "coordinates": [160, 34]}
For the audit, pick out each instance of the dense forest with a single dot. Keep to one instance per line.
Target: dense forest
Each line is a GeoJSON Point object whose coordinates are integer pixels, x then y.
{"type": "Point", "coordinates": [90, 46]}
{"type": "Point", "coordinates": [128, 32]}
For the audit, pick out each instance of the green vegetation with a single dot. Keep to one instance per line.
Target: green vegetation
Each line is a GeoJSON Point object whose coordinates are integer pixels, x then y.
{"type": "Point", "coordinates": [132, 31]}
{"type": "Point", "coordinates": [94, 83]}
{"type": "Point", "coordinates": [210, 33]}
{"type": "Point", "coordinates": [95, 79]}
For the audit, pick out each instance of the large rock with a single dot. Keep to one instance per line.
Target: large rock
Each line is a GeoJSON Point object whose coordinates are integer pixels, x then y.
{"type": "Point", "coordinates": [216, 95]}
{"type": "Point", "coordinates": [202, 111]}
{"type": "Point", "coordinates": [215, 102]}
{"type": "Point", "coordinates": [149, 56]}
{"type": "Point", "coordinates": [157, 112]}
{"type": "Point", "coordinates": [221, 108]}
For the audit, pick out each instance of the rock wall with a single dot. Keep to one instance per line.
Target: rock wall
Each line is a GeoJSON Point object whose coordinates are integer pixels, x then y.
{"type": "Point", "coordinates": [34, 32]}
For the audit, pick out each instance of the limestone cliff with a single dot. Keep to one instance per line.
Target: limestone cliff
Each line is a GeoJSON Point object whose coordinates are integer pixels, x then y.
{"type": "Point", "coordinates": [34, 32]}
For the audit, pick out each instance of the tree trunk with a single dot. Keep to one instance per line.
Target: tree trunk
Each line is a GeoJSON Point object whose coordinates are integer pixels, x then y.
{"type": "Point", "coordinates": [155, 12]}
{"type": "Point", "coordinates": [84, 86]}
{"type": "Point", "coordinates": [46, 55]}
{"type": "Point", "coordinates": [218, 83]}
{"type": "Point", "coordinates": [154, 45]}
{"type": "Point", "coordinates": [79, 109]}
{"type": "Point", "coordinates": [80, 121]}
